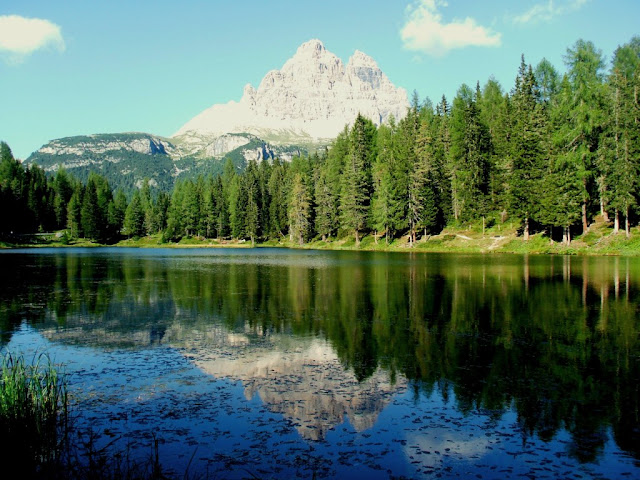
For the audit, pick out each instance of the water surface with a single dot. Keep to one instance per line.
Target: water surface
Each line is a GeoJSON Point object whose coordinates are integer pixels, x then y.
{"type": "Point", "coordinates": [276, 363]}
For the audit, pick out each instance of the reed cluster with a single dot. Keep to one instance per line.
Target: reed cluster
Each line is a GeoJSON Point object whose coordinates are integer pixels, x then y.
{"type": "Point", "coordinates": [33, 412]}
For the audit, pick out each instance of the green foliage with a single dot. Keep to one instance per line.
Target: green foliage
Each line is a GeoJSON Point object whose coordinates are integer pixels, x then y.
{"type": "Point", "coordinates": [299, 210]}
{"type": "Point", "coordinates": [468, 156]}
{"type": "Point", "coordinates": [357, 181]}
{"type": "Point", "coordinates": [33, 412]}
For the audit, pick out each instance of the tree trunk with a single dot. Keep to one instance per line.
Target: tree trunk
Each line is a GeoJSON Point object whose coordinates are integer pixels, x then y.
{"type": "Point", "coordinates": [603, 211]}
{"type": "Point", "coordinates": [357, 239]}
{"type": "Point", "coordinates": [585, 225]}
{"type": "Point", "coordinates": [526, 228]}
{"type": "Point", "coordinates": [616, 222]}
{"type": "Point", "coordinates": [626, 222]}
{"type": "Point", "coordinates": [566, 237]}
{"type": "Point", "coordinates": [375, 237]}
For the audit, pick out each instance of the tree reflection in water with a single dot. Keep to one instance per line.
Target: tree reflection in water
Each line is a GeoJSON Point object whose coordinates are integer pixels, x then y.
{"type": "Point", "coordinates": [556, 339]}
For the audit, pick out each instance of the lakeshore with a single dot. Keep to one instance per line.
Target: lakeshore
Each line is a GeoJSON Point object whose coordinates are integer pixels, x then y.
{"type": "Point", "coordinates": [600, 239]}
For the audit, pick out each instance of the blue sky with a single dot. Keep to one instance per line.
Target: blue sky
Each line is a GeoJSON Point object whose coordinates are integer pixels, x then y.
{"type": "Point", "coordinates": [80, 67]}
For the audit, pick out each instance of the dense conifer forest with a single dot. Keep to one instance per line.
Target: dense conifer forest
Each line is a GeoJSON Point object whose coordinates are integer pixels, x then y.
{"type": "Point", "coordinates": [553, 152]}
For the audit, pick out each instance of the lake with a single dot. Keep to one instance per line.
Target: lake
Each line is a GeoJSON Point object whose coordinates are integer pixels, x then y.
{"type": "Point", "coordinates": [275, 363]}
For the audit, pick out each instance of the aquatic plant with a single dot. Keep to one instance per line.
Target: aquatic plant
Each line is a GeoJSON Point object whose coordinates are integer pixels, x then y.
{"type": "Point", "coordinates": [33, 411]}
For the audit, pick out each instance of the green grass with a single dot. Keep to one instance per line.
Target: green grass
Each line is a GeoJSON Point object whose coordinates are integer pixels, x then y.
{"type": "Point", "coordinates": [33, 412]}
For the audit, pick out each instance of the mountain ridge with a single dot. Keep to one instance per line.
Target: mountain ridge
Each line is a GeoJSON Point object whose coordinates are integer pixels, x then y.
{"type": "Point", "coordinates": [295, 110]}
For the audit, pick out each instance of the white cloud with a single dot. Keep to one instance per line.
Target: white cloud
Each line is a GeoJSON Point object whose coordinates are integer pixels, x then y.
{"type": "Point", "coordinates": [545, 12]}
{"type": "Point", "coordinates": [426, 32]}
{"type": "Point", "coordinates": [20, 36]}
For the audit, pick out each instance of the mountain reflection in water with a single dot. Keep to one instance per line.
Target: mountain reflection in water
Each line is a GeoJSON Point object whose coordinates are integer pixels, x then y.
{"type": "Point", "coordinates": [303, 380]}
{"type": "Point", "coordinates": [324, 337]}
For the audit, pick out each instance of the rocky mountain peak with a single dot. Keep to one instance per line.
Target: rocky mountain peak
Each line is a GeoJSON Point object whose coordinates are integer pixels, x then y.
{"type": "Point", "coordinates": [309, 100]}
{"type": "Point", "coordinates": [361, 59]}
{"type": "Point", "coordinates": [313, 47]}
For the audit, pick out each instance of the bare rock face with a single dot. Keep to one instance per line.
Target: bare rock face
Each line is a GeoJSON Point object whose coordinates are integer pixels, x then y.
{"type": "Point", "coordinates": [100, 144]}
{"type": "Point", "coordinates": [308, 101]}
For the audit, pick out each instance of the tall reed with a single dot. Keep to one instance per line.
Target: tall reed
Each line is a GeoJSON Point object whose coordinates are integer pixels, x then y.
{"type": "Point", "coordinates": [33, 412]}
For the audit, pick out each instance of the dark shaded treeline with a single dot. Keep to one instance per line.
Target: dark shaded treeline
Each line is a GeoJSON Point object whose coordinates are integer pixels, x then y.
{"type": "Point", "coordinates": [555, 338]}
{"type": "Point", "coordinates": [554, 152]}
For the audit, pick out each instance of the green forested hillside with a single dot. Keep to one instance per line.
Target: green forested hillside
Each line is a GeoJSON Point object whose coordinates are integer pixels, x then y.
{"type": "Point", "coordinates": [551, 153]}
{"type": "Point", "coordinates": [127, 159]}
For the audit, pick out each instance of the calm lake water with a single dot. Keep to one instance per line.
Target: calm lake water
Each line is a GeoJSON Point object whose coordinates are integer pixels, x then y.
{"type": "Point", "coordinates": [273, 363]}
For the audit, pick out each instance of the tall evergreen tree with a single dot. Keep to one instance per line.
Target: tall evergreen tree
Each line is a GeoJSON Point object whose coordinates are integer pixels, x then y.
{"type": "Point", "coordinates": [134, 217]}
{"type": "Point", "coordinates": [221, 209]}
{"type": "Point", "coordinates": [620, 152]}
{"type": "Point", "coordinates": [528, 147]}
{"type": "Point", "coordinates": [237, 208]}
{"type": "Point", "coordinates": [329, 186]}
{"type": "Point", "coordinates": [357, 181]}
{"type": "Point", "coordinates": [583, 107]}
{"type": "Point", "coordinates": [383, 208]}
{"type": "Point", "coordinates": [251, 188]}
{"type": "Point", "coordinates": [278, 193]}
{"type": "Point", "coordinates": [191, 202]}
{"type": "Point", "coordinates": [495, 113]}
{"type": "Point", "coordinates": [468, 157]}
{"type": "Point", "coordinates": [74, 224]}
{"type": "Point", "coordinates": [299, 209]}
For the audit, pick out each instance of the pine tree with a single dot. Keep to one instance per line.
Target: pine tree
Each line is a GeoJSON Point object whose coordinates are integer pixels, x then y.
{"type": "Point", "coordinates": [251, 187]}
{"type": "Point", "coordinates": [278, 208]}
{"type": "Point", "coordinates": [423, 178]}
{"type": "Point", "coordinates": [146, 203]}
{"type": "Point", "coordinates": [237, 208]}
{"type": "Point", "coordinates": [74, 224]}
{"type": "Point", "coordinates": [191, 202]}
{"type": "Point", "coordinates": [495, 109]}
{"type": "Point", "coordinates": [563, 193]}
{"type": "Point", "coordinates": [468, 157]}
{"type": "Point", "coordinates": [528, 151]}
{"type": "Point", "coordinates": [583, 108]}
{"type": "Point", "coordinates": [175, 224]}
{"type": "Point", "coordinates": [619, 156]}
{"type": "Point", "coordinates": [221, 210]}
{"type": "Point", "coordinates": [160, 212]}
{"type": "Point", "coordinates": [299, 209]}
{"type": "Point", "coordinates": [134, 217]}
{"type": "Point", "coordinates": [330, 180]}
{"type": "Point", "coordinates": [209, 208]}
{"type": "Point", "coordinates": [383, 183]}
{"type": "Point", "coordinates": [357, 184]}
{"type": "Point", "coordinates": [89, 213]}
{"type": "Point", "coordinates": [117, 212]}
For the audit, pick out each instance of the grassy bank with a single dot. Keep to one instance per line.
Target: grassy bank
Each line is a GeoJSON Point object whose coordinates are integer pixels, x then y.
{"type": "Point", "coordinates": [600, 239]}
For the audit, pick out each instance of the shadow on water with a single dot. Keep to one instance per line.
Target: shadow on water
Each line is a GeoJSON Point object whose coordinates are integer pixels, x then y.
{"type": "Point", "coordinates": [554, 340]}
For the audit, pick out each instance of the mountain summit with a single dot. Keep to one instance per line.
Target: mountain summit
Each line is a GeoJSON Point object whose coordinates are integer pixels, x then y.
{"type": "Point", "coordinates": [308, 101]}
